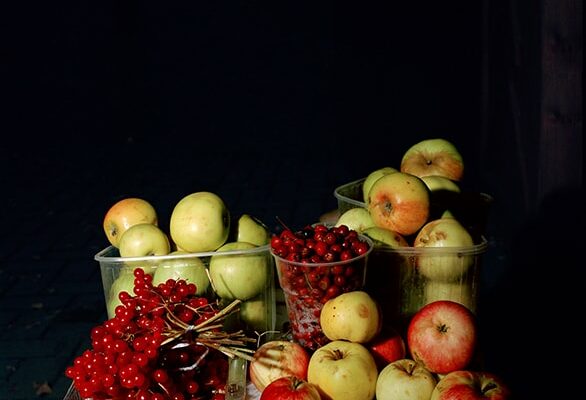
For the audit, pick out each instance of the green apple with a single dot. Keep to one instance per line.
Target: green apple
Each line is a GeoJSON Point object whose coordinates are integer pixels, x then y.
{"type": "Point", "coordinates": [399, 202]}
{"type": "Point", "coordinates": [446, 239]}
{"type": "Point", "coordinates": [405, 379]}
{"type": "Point", "coordinates": [125, 213]}
{"type": "Point", "coordinates": [357, 219]}
{"type": "Point", "coordinates": [200, 222]}
{"type": "Point", "coordinates": [254, 313]}
{"type": "Point", "coordinates": [144, 240]}
{"type": "Point", "coordinates": [372, 177]}
{"type": "Point", "coordinates": [385, 237]}
{"type": "Point", "coordinates": [252, 230]}
{"type": "Point", "coordinates": [239, 274]}
{"type": "Point", "coordinates": [343, 370]}
{"type": "Point", "coordinates": [438, 182]}
{"type": "Point", "coordinates": [436, 156]}
{"type": "Point", "coordinates": [354, 316]}
{"type": "Point", "coordinates": [460, 292]}
{"type": "Point", "coordinates": [190, 268]}
{"type": "Point", "coordinates": [123, 283]}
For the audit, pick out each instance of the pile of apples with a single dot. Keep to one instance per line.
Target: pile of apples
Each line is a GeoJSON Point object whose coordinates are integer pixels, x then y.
{"type": "Point", "coordinates": [200, 224]}
{"type": "Point", "coordinates": [365, 361]}
{"type": "Point", "coordinates": [433, 356]}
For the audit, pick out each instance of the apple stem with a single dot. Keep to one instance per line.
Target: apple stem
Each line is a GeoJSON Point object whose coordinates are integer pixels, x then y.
{"type": "Point", "coordinates": [488, 387]}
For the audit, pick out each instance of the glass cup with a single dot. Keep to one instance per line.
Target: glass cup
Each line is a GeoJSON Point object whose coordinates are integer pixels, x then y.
{"type": "Point", "coordinates": [307, 287]}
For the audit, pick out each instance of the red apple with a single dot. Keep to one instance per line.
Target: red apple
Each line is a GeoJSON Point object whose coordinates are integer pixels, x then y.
{"type": "Point", "coordinates": [471, 385]}
{"type": "Point", "coordinates": [387, 347]}
{"type": "Point", "coordinates": [433, 157]}
{"type": "Point", "coordinates": [276, 359]}
{"type": "Point", "coordinates": [290, 388]}
{"type": "Point", "coordinates": [399, 202]}
{"type": "Point", "coordinates": [442, 335]}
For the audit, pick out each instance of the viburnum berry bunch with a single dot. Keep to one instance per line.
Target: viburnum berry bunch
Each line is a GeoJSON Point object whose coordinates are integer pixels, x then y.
{"type": "Point", "coordinates": [316, 264]}
{"type": "Point", "coordinates": [164, 343]}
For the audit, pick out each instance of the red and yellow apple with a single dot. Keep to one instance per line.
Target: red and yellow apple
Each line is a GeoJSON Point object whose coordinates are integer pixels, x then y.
{"type": "Point", "coordinates": [399, 202]}
{"type": "Point", "coordinates": [126, 213]}
{"type": "Point", "coordinates": [436, 156]}
{"type": "Point", "coordinates": [200, 222]}
{"type": "Point", "coordinates": [276, 359]}
{"type": "Point", "coordinates": [343, 370]}
{"type": "Point", "coordinates": [290, 388]}
{"type": "Point", "coordinates": [354, 316]}
{"type": "Point", "coordinates": [471, 385]}
{"type": "Point", "coordinates": [405, 379]}
{"type": "Point", "coordinates": [442, 336]}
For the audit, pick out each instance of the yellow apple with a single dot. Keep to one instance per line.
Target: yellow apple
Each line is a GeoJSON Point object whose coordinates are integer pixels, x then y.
{"type": "Point", "coordinates": [436, 156]}
{"type": "Point", "coordinates": [405, 379]}
{"type": "Point", "coordinates": [372, 177]}
{"type": "Point", "coordinates": [200, 222]}
{"type": "Point", "coordinates": [437, 183]}
{"type": "Point", "coordinates": [190, 268]}
{"type": "Point", "coordinates": [354, 316]}
{"type": "Point", "coordinates": [144, 240]}
{"type": "Point", "coordinates": [444, 243]}
{"type": "Point", "coordinates": [125, 213]}
{"type": "Point", "coordinates": [343, 370]}
{"type": "Point", "coordinates": [124, 282]}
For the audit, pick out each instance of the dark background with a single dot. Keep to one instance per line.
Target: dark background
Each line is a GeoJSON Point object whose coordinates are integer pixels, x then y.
{"type": "Point", "coordinates": [272, 106]}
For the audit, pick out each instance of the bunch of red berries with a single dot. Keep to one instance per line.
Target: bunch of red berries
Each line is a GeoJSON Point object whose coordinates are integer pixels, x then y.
{"type": "Point", "coordinates": [164, 343]}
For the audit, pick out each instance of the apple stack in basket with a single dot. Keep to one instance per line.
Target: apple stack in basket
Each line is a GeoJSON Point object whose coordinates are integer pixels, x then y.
{"type": "Point", "coordinates": [183, 306]}
{"type": "Point", "coordinates": [410, 332]}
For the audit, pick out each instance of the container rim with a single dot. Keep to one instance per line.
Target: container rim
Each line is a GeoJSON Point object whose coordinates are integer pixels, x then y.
{"type": "Point", "coordinates": [362, 237]}
{"type": "Point", "coordinates": [102, 255]}
{"type": "Point", "coordinates": [475, 249]}
{"type": "Point", "coordinates": [340, 196]}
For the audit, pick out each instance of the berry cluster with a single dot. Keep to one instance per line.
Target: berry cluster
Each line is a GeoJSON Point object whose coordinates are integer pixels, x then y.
{"type": "Point", "coordinates": [316, 264]}
{"type": "Point", "coordinates": [162, 344]}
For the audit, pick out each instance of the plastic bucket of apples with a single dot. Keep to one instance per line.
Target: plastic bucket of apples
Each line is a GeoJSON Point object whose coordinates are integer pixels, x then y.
{"type": "Point", "coordinates": [314, 265]}
{"type": "Point", "coordinates": [405, 272]}
{"type": "Point", "coordinates": [243, 274]}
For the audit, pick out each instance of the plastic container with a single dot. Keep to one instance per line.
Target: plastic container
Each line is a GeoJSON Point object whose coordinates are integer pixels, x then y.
{"type": "Point", "coordinates": [403, 280]}
{"type": "Point", "coordinates": [257, 314]}
{"type": "Point", "coordinates": [305, 287]}
{"type": "Point", "coordinates": [470, 208]}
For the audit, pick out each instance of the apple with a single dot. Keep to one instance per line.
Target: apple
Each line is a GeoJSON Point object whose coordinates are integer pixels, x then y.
{"type": "Point", "coordinates": [200, 222]}
{"type": "Point", "coordinates": [372, 177]}
{"type": "Point", "coordinates": [252, 230]}
{"type": "Point", "coordinates": [276, 359]}
{"type": "Point", "coordinates": [124, 282]}
{"type": "Point", "coordinates": [353, 316]}
{"type": "Point", "coordinates": [125, 213]}
{"type": "Point", "coordinates": [290, 388]}
{"type": "Point", "coordinates": [357, 219]}
{"type": "Point", "coordinates": [254, 313]}
{"type": "Point", "coordinates": [240, 274]}
{"type": "Point", "coordinates": [405, 379]}
{"type": "Point", "coordinates": [144, 240]}
{"type": "Point", "coordinates": [438, 183]}
{"type": "Point", "coordinates": [343, 370]}
{"type": "Point", "coordinates": [385, 237]}
{"type": "Point", "coordinates": [460, 292]}
{"type": "Point", "coordinates": [436, 156]}
{"type": "Point", "coordinates": [471, 385]}
{"type": "Point", "coordinates": [442, 335]}
{"type": "Point", "coordinates": [190, 268]}
{"type": "Point", "coordinates": [399, 202]}
{"type": "Point", "coordinates": [388, 346]}
{"type": "Point", "coordinates": [444, 264]}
